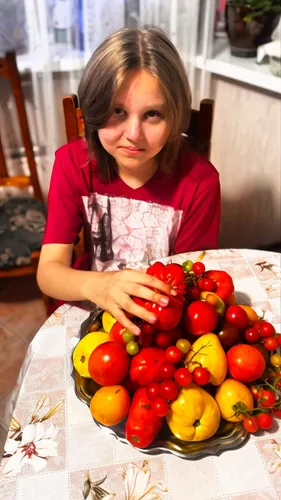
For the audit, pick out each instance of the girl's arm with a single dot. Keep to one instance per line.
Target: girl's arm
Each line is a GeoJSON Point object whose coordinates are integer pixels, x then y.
{"type": "Point", "coordinates": [112, 291]}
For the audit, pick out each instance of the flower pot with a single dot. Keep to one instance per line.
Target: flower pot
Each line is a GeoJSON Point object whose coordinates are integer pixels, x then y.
{"type": "Point", "coordinates": [246, 36]}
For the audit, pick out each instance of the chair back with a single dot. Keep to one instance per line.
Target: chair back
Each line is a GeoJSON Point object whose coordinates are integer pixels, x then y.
{"type": "Point", "coordinates": [9, 71]}
{"type": "Point", "coordinates": [199, 132]}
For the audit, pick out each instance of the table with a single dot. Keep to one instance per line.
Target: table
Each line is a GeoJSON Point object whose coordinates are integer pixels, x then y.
{"type": "Point", "coordinates": [66, 456]}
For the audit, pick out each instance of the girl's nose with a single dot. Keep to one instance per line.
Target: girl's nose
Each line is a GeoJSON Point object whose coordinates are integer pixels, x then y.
{"type": "Point", "coordinates": [133, 129]}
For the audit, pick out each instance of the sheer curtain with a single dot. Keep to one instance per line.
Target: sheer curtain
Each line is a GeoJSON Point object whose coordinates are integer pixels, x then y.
{"type": "Point", "coordinates": [58, 37]}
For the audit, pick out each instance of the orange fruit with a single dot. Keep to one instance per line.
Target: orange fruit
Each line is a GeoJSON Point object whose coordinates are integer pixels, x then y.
{"type": "Point", "coordinates": [110, 404]}
{"type": "Point", "coordinates": [251, 313]}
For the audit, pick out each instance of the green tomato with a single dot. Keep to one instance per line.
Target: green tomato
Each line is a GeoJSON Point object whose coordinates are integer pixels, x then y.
{"type": "Point", "coordinates": [187, 265]}
{"type": "Point", "coordinates": [183, 345]}
{"type": "Point", "coordinates": [132, 348]}
{"type": "Point", "coordinates": [128, 336]}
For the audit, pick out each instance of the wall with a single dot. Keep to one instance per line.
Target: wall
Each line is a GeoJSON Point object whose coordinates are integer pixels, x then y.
{"type": "Point", "coordinates": [246, 151]}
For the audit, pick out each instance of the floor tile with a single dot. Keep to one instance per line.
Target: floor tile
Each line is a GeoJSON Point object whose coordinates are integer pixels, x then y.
{"type": "Point", "coordinates": [16, 292]}
{"type": "Point", "coordinates": [12, 354]}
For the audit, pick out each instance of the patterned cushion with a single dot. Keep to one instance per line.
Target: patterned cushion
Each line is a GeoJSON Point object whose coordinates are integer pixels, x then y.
{"type": "Point", "coordinates": [22, 224]}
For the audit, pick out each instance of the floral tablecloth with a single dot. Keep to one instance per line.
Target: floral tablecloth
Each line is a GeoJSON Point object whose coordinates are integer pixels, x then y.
{"type": "Point", "coordinates": [56, 451]}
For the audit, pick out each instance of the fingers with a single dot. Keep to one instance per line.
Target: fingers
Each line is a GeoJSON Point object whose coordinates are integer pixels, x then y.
{"type": "Point", "coordinates": [120, 315]}
{"type": "Point", "coordinates": [149, 281]}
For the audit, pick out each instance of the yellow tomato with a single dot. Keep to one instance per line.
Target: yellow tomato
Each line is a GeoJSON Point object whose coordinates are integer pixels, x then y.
{"type": "Point", "coordinates": [107, 321]}
{"type": "Point", "coordinates": [251, 313]}
{"type": "Point", "coordinates": [275, 360]}
{"type": "Point", "coordinates": [230, 393]}
{"type": "Point", "coordinates": [194, 415]}
{"type": "Point", "coordinates": [110, 404]}
{"type": "Point", "coordinates": [84, 349]}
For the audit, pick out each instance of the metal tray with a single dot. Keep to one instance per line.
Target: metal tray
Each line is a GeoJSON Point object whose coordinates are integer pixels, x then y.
{"type": "Point", "coordinates": [228, 436]}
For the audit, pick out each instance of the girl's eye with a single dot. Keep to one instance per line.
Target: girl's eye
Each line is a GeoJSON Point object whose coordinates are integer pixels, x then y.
{"type": "Point", "coordinates": [119, 112]}
{"type": "Point", "coordinates": [153, 114]}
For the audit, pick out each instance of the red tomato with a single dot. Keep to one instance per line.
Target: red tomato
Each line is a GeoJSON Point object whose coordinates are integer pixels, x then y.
{"type": "Point", "coordinates": [192, 293]}
{"type": "Point", "coordinates": [229, 335]}
{"type": "Point", "coordinates": [145, 339]}
{"type": "Point", "coordinates": [201, 376]}
{"type": "Point", "coordinates": [109, 363]}
{"type": "Point", "coordinates": [198, 268]}
{"type": "Point", "coordinates": [173, 354]}
{"type": "Point", "coordinates": [199, 318]}
{"type": "Point", "coordinates": [279, 338]}
{"type": "Point", "coordinates": [160, 407]}
{"type": "Point", "coordinates": [265, 328]}
{"type": "Point", "coordinates": [251, 335]}
{"type": "Point", "coordinates": [224, 282]}
{"type": "Point", "coordinates": [251, 424]}
{"type": "Point", "coordinates": [267, 398]}
{"type": "Point", "coordinates": [174, 275]}
{"type": "Point", "coordinates": [147, 328]}
{"type": "Point", "coordinates": [207, 285]}
{"type": "Point", "coordinates": [145, 365]}
{"type": "Point", "coordinates": [183, 377]}
{"type": "Point", "coordinates": [168, 390]}
{"type": "Point", "coordinates": [142, 424]}
{"type": "Point", "coordinates": [245, 363]}
{"type": "Point", "coordinates": [166, 338]}
{"type": "Point", "coordinates": [265, 420]}
{"type": "Point", "coordinates": [256, 392]}
{"type": "Point", "coordinates": [158, 270]}
{"type": "Point", "coordinates": [270, 343]}
{"type": "Point", "coordinates": [167, 317]}
{"type": "Point", "coordinates": [153, 390]}
{"type": "Point", "coordinates": [237, 317]}
{"type": "Point", "coordinates": [166, 370]}
{"type": "Point", "coordinates": [116, 333]}
{"type": "Point", "coordinates": [277, 413]}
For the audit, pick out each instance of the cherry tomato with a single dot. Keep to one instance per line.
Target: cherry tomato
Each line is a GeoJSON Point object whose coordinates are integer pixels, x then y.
{"type": "Point", "coordinates": [145, 339]}
{"type": "Point", "coordinates": [201, 376]}
{"type": "Point", "coordinates": [192, 293]}
{"type": "Point", "coordinates": [237, 317]}
{"type": "Point", "coordinates": [245, 363]}
{"type": "Point", "coordinates": [198, 268]}
{"type": "Point", "coordinates": [166, 338]}
{"type": "Point", "coordinates": [265, 420]}
{"type": "Point", "coordinates": [132, 348]}
{"type": "Point", "coordinates": [187, 265]}
{"type": "Point", "coordinates": [153, 390]}
{"type": "Point", "coordinates": [183, 345]}
{"type": "Point", "coordinates": [251, 424]}
{"type": "Point", "coordinates": [117, 331]}
{"type": "Point", "coordinates": [207, 285]}
{"type": "Point", "coordinates": [277, 413]}
{"type": "Point", "coordinates": [275, 360]}
{"type": "Point", "coordinates": [166, 370]}
{"type": "Point", "coordinates": [279, 338]}
{"type": "Point", "coordinates": [270, 343]}
{"type": "Point", "coordinates": [251, 335]}
{"type": "Point", "coordinates": [160, 407]}
{"type": "Point", "coordinates": [173, 354]}
{"type": "Point", "coordinates": [199, 318]}
{"type": "Point", "coordinates": [256, 391]}
{"type": "Point", "coordinates": [168, 390]}
{"type": "Point", "coordinates": [183, 377]}
{"type": "Point", "coordinates": [267, 398]}
{"type": "Point", "coordinates": [147, 328]}
{"type": "Point", "coordinates": [265, 328]}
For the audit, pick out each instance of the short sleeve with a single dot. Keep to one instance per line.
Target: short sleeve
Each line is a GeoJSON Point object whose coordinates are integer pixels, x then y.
{"type": "Point", "coordinates": [65, 212]}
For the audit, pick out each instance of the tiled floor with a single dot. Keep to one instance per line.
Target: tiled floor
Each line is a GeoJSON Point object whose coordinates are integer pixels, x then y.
{"type": "Point", "coordinates": [22, 313]}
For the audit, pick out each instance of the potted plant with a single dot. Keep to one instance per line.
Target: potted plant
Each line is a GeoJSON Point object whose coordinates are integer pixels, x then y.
{"type": "Point", "coordinates": [250, 23]}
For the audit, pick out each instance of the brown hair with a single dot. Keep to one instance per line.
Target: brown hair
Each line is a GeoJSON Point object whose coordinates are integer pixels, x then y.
{"type": "Point", "coordinates": [125, 50]}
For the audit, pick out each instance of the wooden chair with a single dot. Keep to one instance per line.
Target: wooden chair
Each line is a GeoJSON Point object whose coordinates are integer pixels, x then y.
{"type": "Point", "coordinates": [198, 134]}
{"type": "Point", "coordinates": [9, 70]}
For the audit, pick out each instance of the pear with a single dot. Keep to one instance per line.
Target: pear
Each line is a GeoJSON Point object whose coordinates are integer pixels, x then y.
{"type": "Point", "coordinates": [207, 352]}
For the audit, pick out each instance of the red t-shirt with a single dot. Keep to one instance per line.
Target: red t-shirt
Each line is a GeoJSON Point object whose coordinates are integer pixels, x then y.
{"type": "Point", "coordinates": [128, 227]}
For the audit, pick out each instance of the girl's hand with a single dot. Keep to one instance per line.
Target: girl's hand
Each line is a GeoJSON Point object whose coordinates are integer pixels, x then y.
{"type": "Point", "coordinates": [114, 292]}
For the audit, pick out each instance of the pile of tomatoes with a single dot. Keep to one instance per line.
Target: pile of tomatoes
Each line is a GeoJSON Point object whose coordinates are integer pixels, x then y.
{"type": "Point", "coordinates": [141, 376]}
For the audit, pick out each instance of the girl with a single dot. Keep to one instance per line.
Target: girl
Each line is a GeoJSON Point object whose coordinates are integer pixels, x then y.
{"type": "Point", "coordinates": [131, 183]}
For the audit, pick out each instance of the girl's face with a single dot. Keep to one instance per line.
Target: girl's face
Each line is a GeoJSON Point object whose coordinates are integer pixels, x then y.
{"type": "Point", "coordinates": [137, 128]}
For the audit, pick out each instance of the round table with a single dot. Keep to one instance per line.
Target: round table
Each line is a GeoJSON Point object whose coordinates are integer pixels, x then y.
{"type": "Point", "coordinates": [56, 451]}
